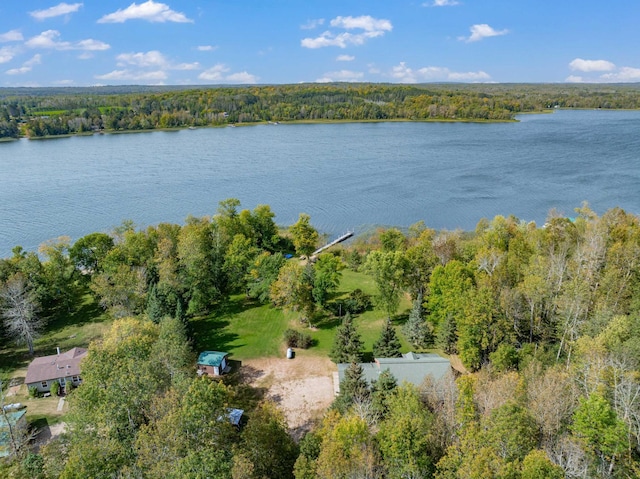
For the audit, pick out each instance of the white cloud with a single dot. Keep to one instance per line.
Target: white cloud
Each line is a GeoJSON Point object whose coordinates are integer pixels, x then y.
{"type": "Point", "coordinates": [372, 28]}
{"type": "Point", "coordinates": [478, 76]}
{"type": "Point", "coordinates": [186, 66]}
{"type": "Point", "coordinates": [624, 74]}
{"type": "Point", "coordinates": [11, 36]}
{"type": "Point", "coordinates": [149, 11]}
{"type": "Point", "coordinates": [50, 39]}
{"type": "Point", "coordinates": [58, 10]}
{"type": "Point", "coordinates": [345, 58]}
{"type": "Point", "coordinates": [342, 75]}
{"type": "Point", "coordinates": [480, 31]}
{"type": "Point", "coordinates": [18, 71]}
{"type": "Point", "coordinates": [217, 73]}
{"type": "Point", "coordinates": [150, 59]}
{"type": "Point", "coordinates": [441, 3]}
{"type": "Point", "coordinates": [614, 75]}
{"type": "Point", "coordinates": [64, 82]}
{"type": "Point", "coordinates": [242, 77]}
{"type": "Point", "coordinates": [364, 22]}
{"type": "Point", "coordinates": [7, 54]}
{"type": "Point", "coordinates": [311, 24]}
{"type": "Point", "coordinates": [26, 66]}
{"type": "Point", "coordinates": [206, 48]}
{"type": "Point", "coordinates": [90, 45]}
{"type": "Point", "coordinates": [154, 76]}
{"type": "Point", "coordinates": [405, 74]}
{"type": "Point", "coordinates": [591, 65]}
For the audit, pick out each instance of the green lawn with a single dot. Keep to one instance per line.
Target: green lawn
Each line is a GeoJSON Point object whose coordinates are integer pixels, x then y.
{"type": "Point", "coordinates": [66, 331]}
{"type": "Point", "coordinates": [248, 329]}
{"type": "Point", "coordinates": [245, 328]}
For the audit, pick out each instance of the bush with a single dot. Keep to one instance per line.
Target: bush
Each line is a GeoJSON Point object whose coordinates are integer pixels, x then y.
{"type": "Point", "coordinates": [55, 388]}
{"type": "Point", "coordinates": [33, 392]}
{"type": "Point", "coordinates": [296, 339]}
{"type": "Point", "coordinates": [357, 302]}
{"type": "Point", "coordinates": [504, 358]}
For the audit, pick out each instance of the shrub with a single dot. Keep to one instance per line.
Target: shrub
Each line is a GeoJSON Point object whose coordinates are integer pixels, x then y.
{"type": "Point", "coordinates": [33, 392]}
{"type": "Point", "coordinates": [357, 302]}
{"type": "Point", "coordinates": [504, 358]}
{"type": "Point", "coordinates": [55, 388]}
{"type": "Point", "coordinates": [296, 339]}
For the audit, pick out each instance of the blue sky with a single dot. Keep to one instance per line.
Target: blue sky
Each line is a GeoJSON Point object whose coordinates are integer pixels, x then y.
{"type": "Point", "coordinates": [116, 42]}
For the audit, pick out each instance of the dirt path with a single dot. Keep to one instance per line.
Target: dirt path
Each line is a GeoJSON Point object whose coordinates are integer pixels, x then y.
{"type": "Point", "coordinates": [302, 387]}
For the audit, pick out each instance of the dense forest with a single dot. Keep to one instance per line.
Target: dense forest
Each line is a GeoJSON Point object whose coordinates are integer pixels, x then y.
{"type": "Point", "coordinates": [61, 111]}
{"type": "Point", "coordinates": [544, 318]}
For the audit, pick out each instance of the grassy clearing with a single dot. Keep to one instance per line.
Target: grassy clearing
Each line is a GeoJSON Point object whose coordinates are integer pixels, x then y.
{"type": "Point", "coordinates": [248, 329]}
{"type": "Point", "coordinates": [79, 328]}
{"type": "Point", "coordinates": [244, 327]}
{"type": "Point", "coordinates": [66, 331]}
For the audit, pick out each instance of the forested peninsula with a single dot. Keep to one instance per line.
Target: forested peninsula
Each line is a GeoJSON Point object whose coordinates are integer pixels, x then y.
{"type": "Point", "coordinates": [541, 324]}
{"type": "Point", "coordinates": [45, 112]}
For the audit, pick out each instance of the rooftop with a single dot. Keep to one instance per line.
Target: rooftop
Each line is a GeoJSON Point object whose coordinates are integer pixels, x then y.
{"type": "Point", "coordinates": [12, 416]}
{"type": "Point", "coordinates": [55, 366]}
{"type": "Point", "coordinates": [211, 358]}
{"type": "Point", "coordinates": [411, 367]}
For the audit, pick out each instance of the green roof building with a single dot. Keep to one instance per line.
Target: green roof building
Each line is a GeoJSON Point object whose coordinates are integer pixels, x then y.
{"type": "Point", "coordinates": [18, 422]}
{"type": "Point", "coordinates": [213, 363]}
{"type": "Point", "coordinates": [411, 367]}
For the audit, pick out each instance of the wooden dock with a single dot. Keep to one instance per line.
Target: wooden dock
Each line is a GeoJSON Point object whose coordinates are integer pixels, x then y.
{"type": "Point", "coordinates": [340, 239]}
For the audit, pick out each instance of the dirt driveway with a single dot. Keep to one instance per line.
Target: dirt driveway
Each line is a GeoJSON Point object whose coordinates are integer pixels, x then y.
{"type": "Point", "coordinates": [302, 387]}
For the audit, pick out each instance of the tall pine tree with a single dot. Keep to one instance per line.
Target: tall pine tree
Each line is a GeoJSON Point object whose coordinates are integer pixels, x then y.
{"type": "Point", "coordinates": [352, 388]}
{"type": "Point", "coordinates": [416, 329]}
{"type": "Point", "coordinates": [387, 345]}
{"type": "Point", "coordinates": [347, 345]}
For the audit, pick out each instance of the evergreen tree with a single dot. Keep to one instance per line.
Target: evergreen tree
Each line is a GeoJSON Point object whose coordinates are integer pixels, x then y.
{"type": "Point", "coordinates": [352, 388]}
{"type": "Point", "coordinates": [381, 391]}
{"type": "Point", "coordinates": [347, 345]}
{"type": "Point", "coordinates": [387, 345]}
{"type": "Point", "coordinates": [416, 329]}
{"type": "Point", "coordinates": [154, 305]}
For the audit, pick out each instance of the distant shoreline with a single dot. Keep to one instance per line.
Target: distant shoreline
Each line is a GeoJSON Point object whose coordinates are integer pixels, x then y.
{"type": "Point", "coordinates": [265, 123]}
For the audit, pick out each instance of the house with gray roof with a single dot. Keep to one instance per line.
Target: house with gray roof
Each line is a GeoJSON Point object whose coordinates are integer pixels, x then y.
{"type": "Point", "coordinates": [411, 367]}
{"type": "Point", "coordinates": [213, 363]}
{"type": "Point", "coordinates": [63, 368]}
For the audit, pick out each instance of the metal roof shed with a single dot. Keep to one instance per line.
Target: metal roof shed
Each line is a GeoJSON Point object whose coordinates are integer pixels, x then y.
{"type": "Point", "coordinates": [213, 363]}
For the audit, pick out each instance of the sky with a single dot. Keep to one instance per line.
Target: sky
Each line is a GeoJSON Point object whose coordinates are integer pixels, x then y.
{"type": "Point", "coordinates": [189, 42]}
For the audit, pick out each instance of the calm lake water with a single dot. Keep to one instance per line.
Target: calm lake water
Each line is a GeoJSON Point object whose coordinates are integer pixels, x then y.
{"type": "Point", "coordinates": [346, 176]}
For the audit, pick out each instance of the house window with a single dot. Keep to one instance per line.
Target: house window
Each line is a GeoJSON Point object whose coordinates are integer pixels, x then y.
{"type": "Point", "coordinates": [75, 379]}
{"type": "Point", "coordinates": [44, 384]}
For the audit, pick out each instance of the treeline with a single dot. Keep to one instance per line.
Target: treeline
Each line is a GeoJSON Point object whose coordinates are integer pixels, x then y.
{"type": "Point", "coordinates": [545, 319]}
{"type": "Point", "coordinates": [70, 111]}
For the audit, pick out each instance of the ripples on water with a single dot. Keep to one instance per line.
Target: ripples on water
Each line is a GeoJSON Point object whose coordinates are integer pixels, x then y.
{"type": "Point", "coordinates": [345, 176]}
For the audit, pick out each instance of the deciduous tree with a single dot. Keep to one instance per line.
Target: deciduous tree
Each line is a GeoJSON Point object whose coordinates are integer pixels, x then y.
{"type": "Point", "coordinates": [20, 311]}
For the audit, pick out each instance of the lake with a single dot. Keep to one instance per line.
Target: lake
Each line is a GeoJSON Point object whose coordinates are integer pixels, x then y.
{"type": "Point", "coordinates": [346, 176]}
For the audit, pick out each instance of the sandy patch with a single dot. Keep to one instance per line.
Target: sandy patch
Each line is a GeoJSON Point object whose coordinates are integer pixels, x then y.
{"type": "Point", "coordinates": [302, 387]}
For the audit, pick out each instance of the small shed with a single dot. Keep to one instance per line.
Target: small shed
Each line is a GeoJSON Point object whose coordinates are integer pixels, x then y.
{"type": "Point", "coordinates": [11, 422]}
{"type": "Point", "coordinates": [213, 363]}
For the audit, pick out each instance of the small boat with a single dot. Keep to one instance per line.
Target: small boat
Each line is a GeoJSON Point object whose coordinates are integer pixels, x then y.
{"type": "Point", "coordinates": [192, 127]}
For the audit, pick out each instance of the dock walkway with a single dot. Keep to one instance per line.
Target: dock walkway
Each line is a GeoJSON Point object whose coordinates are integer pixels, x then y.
{"type": "Point", "coordinates": [340, 239]}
